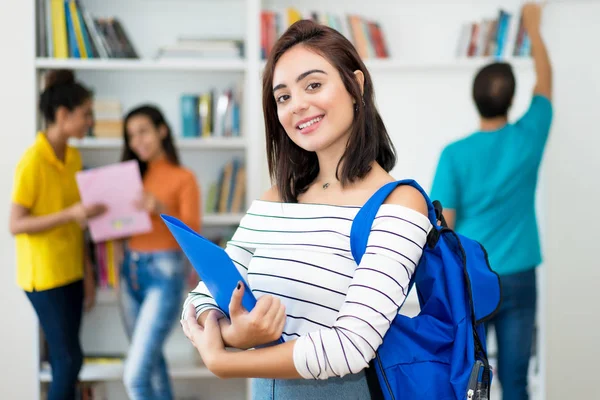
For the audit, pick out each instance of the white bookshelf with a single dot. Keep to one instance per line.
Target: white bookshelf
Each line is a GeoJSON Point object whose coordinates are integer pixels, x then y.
{"type": "Point", "coordinates": [162, 82]}
{"type": "Point", "coordinates": [113, 371]}
{"type": "Point", "coordinates": [375, 65]}
{"type": "Point", "coordinates": [167, 65]}
{"type": "Point", "coordinates": [423, 94]}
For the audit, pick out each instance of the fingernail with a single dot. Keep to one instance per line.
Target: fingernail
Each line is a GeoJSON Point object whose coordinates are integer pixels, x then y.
{"type": "Point", "coordinates": [239, 285]}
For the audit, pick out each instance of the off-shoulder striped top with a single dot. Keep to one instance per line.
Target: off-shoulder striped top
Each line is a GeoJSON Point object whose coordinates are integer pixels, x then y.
{"type": "Point", "coordinates": [337, 311]}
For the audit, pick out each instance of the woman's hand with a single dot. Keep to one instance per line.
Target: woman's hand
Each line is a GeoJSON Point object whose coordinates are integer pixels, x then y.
{"type": "Point", "coordinates": [207, 340]}
{"type": "Point", "coordinates": [532, 15]}
{"type": "Point", "coordinates": [149, 203]}
{"type": "Point", "coordinates": [81, 214]}
{"type": "Point", "coordinates": [263, 325]}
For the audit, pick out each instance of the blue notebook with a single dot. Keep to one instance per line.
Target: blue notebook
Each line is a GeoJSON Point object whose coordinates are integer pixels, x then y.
{"type": "Point", "coordinates": [212, 263]}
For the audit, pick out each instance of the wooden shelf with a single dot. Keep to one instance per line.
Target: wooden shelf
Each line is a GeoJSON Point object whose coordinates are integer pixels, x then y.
{"type": "Point", "coordinates": [211, 143]}
{"type": "Point", "coordinates": [113, 371]}
{"type": "Point", "coordinates": [142, 64]}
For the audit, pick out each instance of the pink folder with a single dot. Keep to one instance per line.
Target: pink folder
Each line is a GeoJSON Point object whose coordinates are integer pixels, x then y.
{"type": "Point", "coordinates": [117, 186]}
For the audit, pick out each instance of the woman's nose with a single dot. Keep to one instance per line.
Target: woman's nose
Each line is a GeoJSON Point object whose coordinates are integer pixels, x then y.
{"type": "Point", "coordinates": [299, 105]}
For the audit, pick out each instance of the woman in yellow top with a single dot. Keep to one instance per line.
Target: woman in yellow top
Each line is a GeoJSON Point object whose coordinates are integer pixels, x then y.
{"type": "Point", "coordinates": [46, 218]}
{"type": "Point", "coordinates": [153, 271]}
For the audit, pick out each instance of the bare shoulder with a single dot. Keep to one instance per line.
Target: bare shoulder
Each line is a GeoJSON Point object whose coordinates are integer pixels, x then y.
{"type": "Point", "coordinates": [271, 195]}
{"type": "Point", "coordinates": [409, 197]}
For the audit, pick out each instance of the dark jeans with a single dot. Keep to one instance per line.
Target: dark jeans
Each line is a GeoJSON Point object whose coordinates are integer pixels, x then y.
{"type": "Point", "coordinates": [59, 311]}
{"type": "Point", "coordinates": [514, 326]}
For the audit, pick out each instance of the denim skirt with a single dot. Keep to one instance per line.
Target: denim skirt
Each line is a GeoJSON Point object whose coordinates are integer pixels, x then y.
{"type": "Point", "coordinates": [350, 387]}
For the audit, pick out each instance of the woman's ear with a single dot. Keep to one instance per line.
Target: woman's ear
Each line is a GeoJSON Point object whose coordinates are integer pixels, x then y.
{"type": "Point", "coordinates": [61, 114]}
{"type": "Point", "coordinates": [360, 79]}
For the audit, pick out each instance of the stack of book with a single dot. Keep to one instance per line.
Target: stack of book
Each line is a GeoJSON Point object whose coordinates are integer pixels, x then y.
{"type": "Point", "coordinates": [108, 119]}
{"type": "Point", "coordinates": [67, 30]}
{"type": "Point", "coordinates": [503, 36]}
{"type": "Point", "coordinates": [228, 194]}
{"type": "Point", "coordinates": [102, 255]}
{"type": "Point", "coordinates": [210, 114]}
{"type": "Point", "coordinates": [366, 35]}
{"type": "Point", "coordinates": [202, 48]}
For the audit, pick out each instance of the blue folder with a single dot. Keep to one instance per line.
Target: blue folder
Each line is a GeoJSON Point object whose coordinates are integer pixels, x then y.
{"type": "Point", "coordinates": [212, 263]}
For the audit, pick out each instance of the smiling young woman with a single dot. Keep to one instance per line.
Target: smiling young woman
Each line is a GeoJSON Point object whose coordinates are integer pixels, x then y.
{"type": "Point", "coordinates": [320, 97]}
{"type": "Point", "coordinates": [328, 152]}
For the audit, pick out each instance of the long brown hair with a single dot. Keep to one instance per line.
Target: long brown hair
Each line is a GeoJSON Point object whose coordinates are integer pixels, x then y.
{"type": "Point", "coordinates": [158, 120]}
{"type": "Point", "coordinates": [292, 168]}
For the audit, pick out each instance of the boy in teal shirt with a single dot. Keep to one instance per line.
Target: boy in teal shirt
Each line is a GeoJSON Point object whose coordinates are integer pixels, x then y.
{"type": "Point", "coordinates": [487, 183]}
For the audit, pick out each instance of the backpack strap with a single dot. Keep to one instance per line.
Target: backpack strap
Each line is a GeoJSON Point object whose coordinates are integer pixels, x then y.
{"type": "Point", "coordinates": [359, 236]}
{"type": "Point", "coordinates": [361, 227]}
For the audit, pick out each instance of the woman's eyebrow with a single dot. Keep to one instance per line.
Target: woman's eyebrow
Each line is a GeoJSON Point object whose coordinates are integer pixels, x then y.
{"type": "Point", "coordinates": [300, 77]}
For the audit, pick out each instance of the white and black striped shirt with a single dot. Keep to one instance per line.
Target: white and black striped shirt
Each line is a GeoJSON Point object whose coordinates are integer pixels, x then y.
{"type": "Point", "coordinates": [337, 311]}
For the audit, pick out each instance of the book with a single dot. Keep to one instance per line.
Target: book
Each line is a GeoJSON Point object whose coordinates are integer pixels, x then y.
{"type": "Point", "coordinates": [117, 186]}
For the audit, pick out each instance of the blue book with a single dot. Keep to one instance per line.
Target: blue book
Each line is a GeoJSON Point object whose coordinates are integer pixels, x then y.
{"type": "Point", "coordinates": [73, 48]}
{"type": "Point", "coordinates": [213, 265]}
{"type": "Point", "coordinates": [84, 33]}
{"type": "Point", "coordinates": [189, 116]}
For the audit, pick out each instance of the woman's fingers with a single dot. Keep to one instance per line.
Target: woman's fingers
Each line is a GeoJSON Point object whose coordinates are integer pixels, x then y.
{"type": "Point", "coordinates": [263, 305]}
{"type": "Point", "coordinates": [280, 319]}
{"type": "Point", "coordinates": [273, 310]}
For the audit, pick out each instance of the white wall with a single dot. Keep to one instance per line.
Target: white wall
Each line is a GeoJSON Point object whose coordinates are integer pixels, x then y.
{"type": "Point", "coordinates": [572, 196]}
{"type": "Point", "coordinates": [17, 335]}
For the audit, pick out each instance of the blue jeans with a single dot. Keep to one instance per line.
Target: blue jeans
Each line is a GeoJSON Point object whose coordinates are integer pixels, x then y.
{"type": "Point", "coordinates": [59, 311]}
{"type": "Point", "coordinates": [151, 295]}
{"type": "Point", "coordinates": [350, 387]}
{"type": "Point", "coordinates": [514, 325]}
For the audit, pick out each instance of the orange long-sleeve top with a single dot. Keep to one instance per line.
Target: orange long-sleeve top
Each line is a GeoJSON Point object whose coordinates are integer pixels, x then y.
{"type": "Point", "coordinates": [177, 189]}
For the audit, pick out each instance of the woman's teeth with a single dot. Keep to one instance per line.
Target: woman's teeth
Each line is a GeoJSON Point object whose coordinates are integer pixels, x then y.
{"type": "Point", "coordinates": [309, 123]}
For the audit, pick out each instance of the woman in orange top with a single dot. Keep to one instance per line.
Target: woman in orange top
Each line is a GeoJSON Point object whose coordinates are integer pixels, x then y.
{"type": "Point", "coordinates": [153, 270]}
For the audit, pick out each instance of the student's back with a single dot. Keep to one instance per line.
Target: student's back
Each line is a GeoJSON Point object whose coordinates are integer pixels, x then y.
{"type": "Point", "coordinates": [487, 183]}
{"type": "Point", "coordinates": [496, 173]}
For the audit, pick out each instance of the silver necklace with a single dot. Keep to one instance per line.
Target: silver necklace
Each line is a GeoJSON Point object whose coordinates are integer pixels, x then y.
{"type": "Point", "coordinates": [325, 185]}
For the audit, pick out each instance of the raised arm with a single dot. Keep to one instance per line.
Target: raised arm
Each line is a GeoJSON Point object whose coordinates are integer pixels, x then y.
{"type": "Point", "coordinates": [532, 20]}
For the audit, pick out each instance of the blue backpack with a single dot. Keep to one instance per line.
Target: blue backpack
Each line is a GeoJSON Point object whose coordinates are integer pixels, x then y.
{"type": "Point", "coordinates": [440, 353]}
